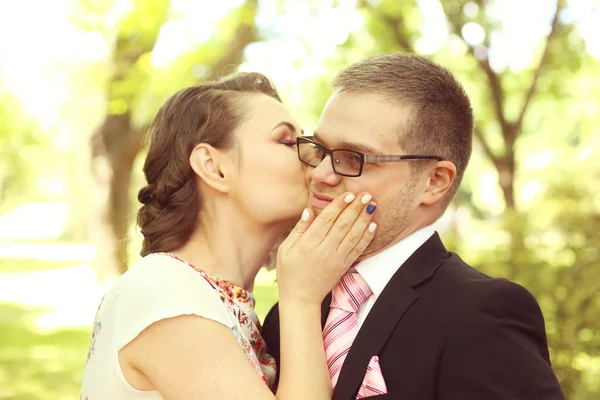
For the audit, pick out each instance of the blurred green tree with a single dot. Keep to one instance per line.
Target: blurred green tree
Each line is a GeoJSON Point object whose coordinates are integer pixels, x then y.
{"type": "Point", "coordinates": [20, 141]}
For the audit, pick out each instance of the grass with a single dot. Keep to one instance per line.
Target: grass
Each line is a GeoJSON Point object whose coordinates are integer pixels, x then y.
{"type": "Point", "coordinates": [36, 365]}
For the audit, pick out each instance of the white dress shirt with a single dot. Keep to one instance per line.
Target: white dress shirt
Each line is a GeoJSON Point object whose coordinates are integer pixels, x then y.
{"type": "Point", "coordinates": [379, 269]}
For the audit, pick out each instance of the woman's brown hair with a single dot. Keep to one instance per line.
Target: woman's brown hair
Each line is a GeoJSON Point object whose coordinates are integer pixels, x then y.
{"type": "Point", "coordinates": [206, 113]}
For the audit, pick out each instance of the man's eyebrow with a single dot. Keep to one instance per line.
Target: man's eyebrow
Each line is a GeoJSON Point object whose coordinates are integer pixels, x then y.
{"type": "Point", "coordinates": [362, 148]}
{"type": "Point", "coordinates": [289, 125]}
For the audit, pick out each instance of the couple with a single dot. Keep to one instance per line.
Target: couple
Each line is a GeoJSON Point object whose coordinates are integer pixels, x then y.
{"type": "Point", "coordinates": [371, 304]}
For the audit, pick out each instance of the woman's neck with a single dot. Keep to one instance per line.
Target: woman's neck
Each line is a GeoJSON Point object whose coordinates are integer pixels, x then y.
{"type": "Point", "coordinates": [233, 251]}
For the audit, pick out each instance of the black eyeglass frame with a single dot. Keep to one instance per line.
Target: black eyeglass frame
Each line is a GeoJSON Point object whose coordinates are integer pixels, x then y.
{"type": "Point", "coordinates": [364, 158]}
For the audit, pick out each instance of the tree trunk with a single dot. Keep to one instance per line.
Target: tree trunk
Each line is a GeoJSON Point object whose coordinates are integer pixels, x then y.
{"type": "Point", "coordinates": [115, 147]}
{"type": "Point", "coordinates": [506, 178]}
{"type": "Point", "coordinates": [119, 201]}
{"type": "Point", "coordinates": [119, 209]}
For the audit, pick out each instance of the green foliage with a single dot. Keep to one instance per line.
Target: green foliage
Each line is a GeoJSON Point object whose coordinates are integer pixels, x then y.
{"type": "Point", "coordinates": [191, 67]}
{"type": "Point", "coordinates": [135, 40]}
{"type": "Point", "coordinates": [20, 145]}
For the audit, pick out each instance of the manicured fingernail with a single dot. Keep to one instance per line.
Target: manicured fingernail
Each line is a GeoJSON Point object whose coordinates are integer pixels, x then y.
{"type": "Point", "coordinates": [305, 215]}
{"type": "Point", "coordinates": [371, 208]}
{"type": "Point", "coordinates": [366, 198]}
{"type": "Point", "coordinates": [349, 197]}
{"type": "Point", "coordinates": [372, 227]}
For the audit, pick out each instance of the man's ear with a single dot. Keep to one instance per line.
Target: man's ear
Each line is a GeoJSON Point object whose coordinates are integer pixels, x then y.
{"type": "Point", "coordinates": [440, 180]}
{"type": "Point", "coordinates": [210, 165]}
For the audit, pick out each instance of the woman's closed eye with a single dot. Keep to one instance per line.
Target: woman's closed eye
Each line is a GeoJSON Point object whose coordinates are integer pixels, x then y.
{"type": "Point", "coordinates": [288, 141]}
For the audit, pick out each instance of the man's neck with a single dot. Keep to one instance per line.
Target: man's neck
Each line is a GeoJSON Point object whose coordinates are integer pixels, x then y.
{"type": "Point", "coordinates": [405, 233]}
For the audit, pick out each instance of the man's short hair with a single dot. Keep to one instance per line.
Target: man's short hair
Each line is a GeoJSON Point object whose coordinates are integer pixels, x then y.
{"type": "Point", "coordinates": [440, 118]}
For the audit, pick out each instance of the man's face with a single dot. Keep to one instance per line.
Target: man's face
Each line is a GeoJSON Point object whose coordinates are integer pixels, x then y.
{"type": "Point", "coordinates": [370, 124]}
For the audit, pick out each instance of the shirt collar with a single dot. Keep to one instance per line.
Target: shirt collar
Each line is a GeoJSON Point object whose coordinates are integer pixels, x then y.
{"type": "Point", "coordinates": [379, 269]}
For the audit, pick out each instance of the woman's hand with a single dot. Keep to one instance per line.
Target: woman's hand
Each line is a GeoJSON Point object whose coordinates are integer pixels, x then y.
{"type": "Point", "coordinates": [317, 253]}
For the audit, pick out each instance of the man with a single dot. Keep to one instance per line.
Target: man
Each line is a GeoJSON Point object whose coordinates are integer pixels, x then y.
{"type": "Point", "coordinates": [424, 324]}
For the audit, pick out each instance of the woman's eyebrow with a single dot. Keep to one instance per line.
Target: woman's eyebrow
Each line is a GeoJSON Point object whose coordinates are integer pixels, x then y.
{"type": "Point", "coordinates": [289, 125]}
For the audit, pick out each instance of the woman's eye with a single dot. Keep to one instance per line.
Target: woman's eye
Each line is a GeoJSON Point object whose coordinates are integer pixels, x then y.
{"type": "Point", "coordinates": [289, 142]}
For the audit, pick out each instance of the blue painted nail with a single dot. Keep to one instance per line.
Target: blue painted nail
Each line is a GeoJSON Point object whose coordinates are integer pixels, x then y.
{"type": "Point", "coordinates": [371, 208]}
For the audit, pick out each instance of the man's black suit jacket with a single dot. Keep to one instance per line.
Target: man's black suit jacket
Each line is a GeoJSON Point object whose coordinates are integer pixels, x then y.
{"type": "Point", "coordinates": [444, 331]}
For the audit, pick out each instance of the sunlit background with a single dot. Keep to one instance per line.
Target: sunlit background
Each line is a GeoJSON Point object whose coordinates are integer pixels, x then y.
{"type": "Point", "coordinates": [80, 79]}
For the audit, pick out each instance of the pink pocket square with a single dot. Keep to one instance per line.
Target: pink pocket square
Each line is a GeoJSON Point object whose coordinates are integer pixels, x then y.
{"type": "Point", "coordinates": [373, 384]}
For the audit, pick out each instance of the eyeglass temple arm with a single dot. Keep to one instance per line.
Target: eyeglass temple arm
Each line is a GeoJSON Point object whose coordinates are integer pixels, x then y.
{"type": "Point", "coordinates": [370, 159]}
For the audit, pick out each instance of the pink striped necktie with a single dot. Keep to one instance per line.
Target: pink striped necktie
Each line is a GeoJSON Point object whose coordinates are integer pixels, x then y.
{"type": "Point", "coordinates": [342, 323]}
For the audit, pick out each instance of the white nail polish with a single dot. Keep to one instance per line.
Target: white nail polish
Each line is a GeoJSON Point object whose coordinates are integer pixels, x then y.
{"type": "Point", "coordinates": [305, 215]}
{"type": "Point", "coordinates": [372, 227]}
{"type": "Point", "coordinates": [349, 197]}
{"type": "Point", "coordinates": [366, 198]}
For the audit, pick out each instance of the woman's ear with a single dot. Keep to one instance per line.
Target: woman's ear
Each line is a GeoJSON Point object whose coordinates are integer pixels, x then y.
{"type": "Point", "coordinates": [441, 178]}
{"type": "Point", "coordinates": [209, 164]}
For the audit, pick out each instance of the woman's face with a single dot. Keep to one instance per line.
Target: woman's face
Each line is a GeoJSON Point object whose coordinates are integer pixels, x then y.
{"type": "Point", "coordinates": [270, 186]}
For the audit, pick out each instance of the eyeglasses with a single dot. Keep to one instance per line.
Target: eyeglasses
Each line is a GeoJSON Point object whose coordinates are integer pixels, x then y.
{"type": "Point", "coordinates": [347, 162]}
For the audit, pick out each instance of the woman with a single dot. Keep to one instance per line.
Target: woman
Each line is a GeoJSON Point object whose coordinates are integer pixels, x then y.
{"type": "Point", "coordinates": [224, 183]}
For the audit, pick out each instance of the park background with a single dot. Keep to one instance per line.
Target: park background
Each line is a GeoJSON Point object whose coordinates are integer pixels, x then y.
{"type": "Point", "coordinates": [81, 79]}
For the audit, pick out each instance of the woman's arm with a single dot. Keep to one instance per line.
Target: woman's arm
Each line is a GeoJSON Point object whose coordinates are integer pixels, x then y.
{"type": "Point", "coordinates": [303, 369]}
{"type": "Point", "coordinates": [189, 357]}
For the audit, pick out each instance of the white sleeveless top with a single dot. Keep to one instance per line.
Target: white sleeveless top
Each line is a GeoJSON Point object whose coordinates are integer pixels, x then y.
{"type": "Point", "coordinates": [162, 286]}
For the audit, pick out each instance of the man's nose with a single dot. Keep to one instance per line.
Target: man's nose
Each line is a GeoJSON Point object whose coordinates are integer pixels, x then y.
{"type": "Point", "coordinates": [324, 173]}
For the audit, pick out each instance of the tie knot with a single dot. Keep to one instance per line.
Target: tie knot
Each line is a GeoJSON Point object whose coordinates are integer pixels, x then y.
{"type": "Point", "coordinates": [350, 293]}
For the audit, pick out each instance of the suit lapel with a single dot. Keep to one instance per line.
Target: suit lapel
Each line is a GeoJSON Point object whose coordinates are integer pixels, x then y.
{"type": "Point", "coordinates": [397, 297]}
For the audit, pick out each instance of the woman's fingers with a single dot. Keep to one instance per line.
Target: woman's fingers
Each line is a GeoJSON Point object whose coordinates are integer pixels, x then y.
{"type": "Point", "coordinates": [321, 226]}
{"type": "Point", "coordinates": [367, 236]}
{"type": "Point", "coordinates": [358, 228]}
{"type": "Point", "coordinates": [346, 221]}
{"type": "Point", "coordinates": [299, 229]}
